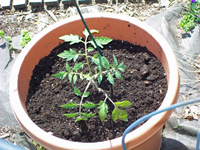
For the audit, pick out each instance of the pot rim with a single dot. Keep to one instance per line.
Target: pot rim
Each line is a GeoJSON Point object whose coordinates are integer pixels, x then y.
{"type": "Point", "coordinates": [28, 125]}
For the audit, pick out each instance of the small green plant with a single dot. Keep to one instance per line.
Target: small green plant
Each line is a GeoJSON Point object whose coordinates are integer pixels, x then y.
{"type": "Point", "coordinates": [38, 146]}
{"type": "Point", "coordinates": [7, 38]}
{"type": "Point", "coordinates": [26, 37]}
{"type": "Point", "coordinates": [103, 68]}
{"type": "Point", "coordinates": [192, 16]}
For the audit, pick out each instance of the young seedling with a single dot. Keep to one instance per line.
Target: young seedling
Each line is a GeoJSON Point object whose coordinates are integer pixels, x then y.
{"type": "Point", "coordinates": [7, 38]}
{"type": "Point", "coordinates": [26, 37]}
{"type": "Point", "coordinates": [103, 68]}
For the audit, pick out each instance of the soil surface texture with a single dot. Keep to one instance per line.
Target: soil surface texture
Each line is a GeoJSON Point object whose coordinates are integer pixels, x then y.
{"type": "Point", "coordinates": [144, 84]}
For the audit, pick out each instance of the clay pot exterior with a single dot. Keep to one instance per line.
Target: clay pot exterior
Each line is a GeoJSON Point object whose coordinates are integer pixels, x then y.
{"type": "Point", "coordinates": [118, 27]}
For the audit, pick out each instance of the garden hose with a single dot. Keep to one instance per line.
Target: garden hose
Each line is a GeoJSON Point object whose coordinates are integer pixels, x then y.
{"type": "Point", "coordinates": [144, 118]}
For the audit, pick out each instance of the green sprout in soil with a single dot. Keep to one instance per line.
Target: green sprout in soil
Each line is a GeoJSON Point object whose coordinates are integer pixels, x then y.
{"type": "Point", "coordinates": [7, 38]}
{"type": "Point", "coordinates": [26, 37]}
{"type": "Point", "coordinates": [103, 68]}
{"type": "Point", "coordinates": [192, 16]}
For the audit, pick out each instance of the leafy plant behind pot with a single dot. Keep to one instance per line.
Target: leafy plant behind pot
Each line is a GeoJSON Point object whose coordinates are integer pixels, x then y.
{"type": "Point", "coordinates": [192, 16]}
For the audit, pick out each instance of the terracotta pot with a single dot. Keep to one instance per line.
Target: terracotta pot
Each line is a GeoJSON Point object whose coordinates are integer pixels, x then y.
{"type": "Point", "coordinates": [114, 26]}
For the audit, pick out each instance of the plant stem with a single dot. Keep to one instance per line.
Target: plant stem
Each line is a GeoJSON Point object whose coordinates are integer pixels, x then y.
{"type": "Point", "coordinates": [106, 95]}
{"type": "Point", "coordinates": [87, 57]}
{"type": "Point", "coordinates": [81, 102]}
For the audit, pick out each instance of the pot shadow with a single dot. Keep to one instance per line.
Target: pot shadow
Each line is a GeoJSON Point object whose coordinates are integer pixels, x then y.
{"type": "Point", "coordinates": [171, 144]}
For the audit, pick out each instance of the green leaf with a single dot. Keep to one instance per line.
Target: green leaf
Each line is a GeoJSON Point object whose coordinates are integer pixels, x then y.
{"type": "Point", "coordinates": [99, 68]}
{"type": "Point", "coordinates": [61, 74]}
{"type": "Point", "coordinates": [105, 63]}
{"type": "Point", "coordinates": [85, 32]}
{"type": "Point", "coordinates": [71, 115]}
{"type": "Point", "coordinates": [102, 41]}
{"type": "Point", "coordinates": [69, 105]}
{"type": "Point", "coordinates": [121, 67]}
{"type": "Point", "coordinates": [110, 78]}
{"type": "Point", "coordinates": [90, 49]}
{"type": "Point", "coordinates": [86, 94]}
{"type": "Point", "coordinates": [75, 78]}
{"type": "Point", "coordinates": [68, 68]}
{"type": "Point", "coordinates": [114, 115]}
{"type": "Point", "coordinates": [94, 31]}
{"type": "Point", "coordinates": [89, 105]}
{"type": "Point", "coordinates": [88, 115]}
{"type": "Point", "coordinates": [81, 118]}
{"type": "Point", "coordinates": [2, 33]}
{"type": "Point", "coordinates": [81, 75]}
{"type": "Point", "coordinates": [95, 59]}
{"type": "Point", "coordinates": [70, 38]}
{"type": "Point", "coordinates": [77, 92]}
{"type": "Point", "coordinates": [103, 110]}
{"type": "Point", "coordinates": [69, 55]}
{"type": "Point", "coordinates": [77, 66]}
{"type": "Point", "coordinates": [117, 74]}
{"type": "Point", "coordinates": [123, 104]}
{"type": "Point", "coordinates": [119, 113]}
{"type": "Point", "coordinates": [115, 62]}
{"type": "Point", "coordinates": [8, 38]}
{"type": "Point", "coordinates": [100, 77]}
{"type": "Point", "coordinates": [24, 32]}
{"type": "Point", "coordinates": [70, 75]}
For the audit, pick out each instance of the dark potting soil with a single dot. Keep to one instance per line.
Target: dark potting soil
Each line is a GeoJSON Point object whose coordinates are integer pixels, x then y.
{"type": "Point", "coordinates": [144, 84]}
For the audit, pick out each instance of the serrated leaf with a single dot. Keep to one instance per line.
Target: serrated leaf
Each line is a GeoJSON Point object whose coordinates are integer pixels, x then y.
{"type": "Point", "coordinates": [77, 92]}
{"type": "Point", "coordinates": [115, 62]}
{"type": "Point", "coordinates": [81, 118]}
{"type": "Point", "coordinates": [81, 75]}
{"type": "Point", "coordinates": [90, 49]}
{"type": "Point", "coordinates": [85, 32]}
{"type": "Point", "coordinates": [123, 104]}
{"type": "Point", "coordinates": [95, 60]}
{"type": "Point", "coordinates": [61, 75]}
{"type": "Point", "coordinates": [121, 67]}
{"type": "Point", "coordinates": [71, 115]}
{"type": "Point", "coordinates": [88, 115]}
{"type": "Point", "coordinates": [70, 38]}
{"type": "Point", "coordinates": [69, 105]}
{"type": "Point", "coordinates": [100, 77]}
{"type": "Point", "coordinates": [69, 55]}
{"type": "Point", "coordinates": [114, 115]}
{"type": "Point", "coordinates": [63, 54]}
{"type": "Point", "coordinates": [105, 62]}
{"type": "Point", "coordinates": [68, 68]}
{"type": "Point", "coordinates": [70, 75]}
{"type": "Point", "coordinates": [103, 110]}
{"type": "Point", "coordinates": [77, 66]}
{"type": "Point", "coordinates": [102, 41]}
{"type": "Point", "coordinates": [110, 78]}
{"type": "Point", "coordinates": [118, 74]}
{"type": "Point", "coordinates": [89, 105]}
{"type": "Point", "coordinates": [86, 94]}
{"type": "Point", "coordinates": [75, 78]}
{"type": "Point", "coordinates": [119, 113]}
